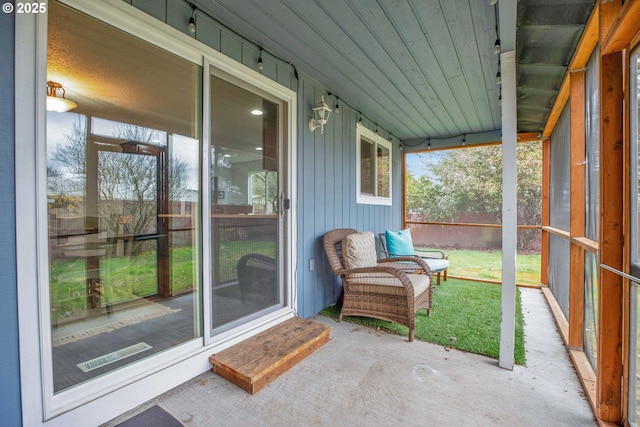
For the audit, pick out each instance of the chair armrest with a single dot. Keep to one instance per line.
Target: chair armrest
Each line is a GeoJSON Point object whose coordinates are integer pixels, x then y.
{"type": "Point", "coordinates": [436, 254]}
{"type": "Point", "coordinates": [386, 253]}
{"type": "Point", "coordinates": [408, 264]}
{"type": "Point", "coordinates": [378, 271]}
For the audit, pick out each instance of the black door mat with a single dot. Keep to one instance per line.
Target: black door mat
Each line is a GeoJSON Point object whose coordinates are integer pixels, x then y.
{"type": "Point", "coordinates": [152, 417]}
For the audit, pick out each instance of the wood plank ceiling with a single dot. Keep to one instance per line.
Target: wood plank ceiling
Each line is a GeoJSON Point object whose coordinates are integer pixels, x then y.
{"type": "Point", "coordinates": [420, 69]}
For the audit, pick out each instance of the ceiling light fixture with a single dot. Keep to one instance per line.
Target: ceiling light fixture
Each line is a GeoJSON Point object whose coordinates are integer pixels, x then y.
{"type": "Point", "coordinates": [320, 117]}
{"type": "Point", "coordinates": [496, 47]}
{"type": "Point", "coordinates": [192, 20]}
{"type": "Point", "coordinates": [256, 112]}
{"type": "Point", "coordinates": [57, 103]}
{"type": "Point", "coordinates": [498, 78]}
{"type": "Point", "coordinates": [260, 63]}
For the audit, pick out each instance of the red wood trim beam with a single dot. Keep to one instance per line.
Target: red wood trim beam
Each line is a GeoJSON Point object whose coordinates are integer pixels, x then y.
{"type": "Point", "coordinates": [558, 106]}
{"type": "Point", "coordinates": [586, 375]}
{"type": "Point", "coordinates": [609, 404]}
{"type": "Point", "coordinates": [611, 240]}
{"type": "Point", "coordinates": [557, 232]}
{"type": "Point", "coordinates": [468, 224]}
{"type": "Point", "coordinates": [627, 350]}
{"type": "Point", "coordinates": [623, 29]}
{"type": "Point", "coordinates": [528, 137]}
{"type": "Point", "coordinates": [586, 244]}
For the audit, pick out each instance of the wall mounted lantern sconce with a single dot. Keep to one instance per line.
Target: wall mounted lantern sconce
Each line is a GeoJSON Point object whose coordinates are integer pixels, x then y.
{"type": "Point", "coordinates": [57, 103]}
{"type": "Point", "coordinates": [320, 117]}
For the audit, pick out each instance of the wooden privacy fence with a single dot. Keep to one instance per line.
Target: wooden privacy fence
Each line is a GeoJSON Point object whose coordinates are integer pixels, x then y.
{"type": "Point", "coordinates": [444, 235]}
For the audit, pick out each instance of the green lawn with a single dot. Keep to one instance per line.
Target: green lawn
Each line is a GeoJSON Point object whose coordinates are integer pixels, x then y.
{"type": "Point", "coordinates": [233, 250]}
{"type": "Point", "coordinates": [465, 315]}
{"type": "Point", "coordinates": [124, 278]}
{"type": "Point", "coordinates": [487, 265]}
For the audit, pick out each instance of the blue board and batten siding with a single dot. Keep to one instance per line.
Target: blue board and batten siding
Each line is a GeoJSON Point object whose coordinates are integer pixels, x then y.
{"type": "Point", "coordinates": [326, 169]}
{"type": "Point", "coordinates": [10, 415]}
{"type": "Point", "coordinates": [325, 178]}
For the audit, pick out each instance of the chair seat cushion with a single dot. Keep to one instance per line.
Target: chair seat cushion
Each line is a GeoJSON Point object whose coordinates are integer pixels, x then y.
{"type": "Point", "coordinates": [436, 264]}
{"type": "Point", "coordinates": [383, 284]}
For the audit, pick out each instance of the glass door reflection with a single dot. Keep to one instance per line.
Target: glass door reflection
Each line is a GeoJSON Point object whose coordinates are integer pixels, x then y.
{"type": "Point", "coordinates": [245, 219]}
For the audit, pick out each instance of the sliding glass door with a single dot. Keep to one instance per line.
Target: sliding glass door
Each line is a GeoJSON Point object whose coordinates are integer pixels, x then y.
{"type": "Point", "coordinates": [247, 209]}
{"type": "Point", "coordinates": [167, 224]}
{"type": "Point", "coordinates": [123, 186]}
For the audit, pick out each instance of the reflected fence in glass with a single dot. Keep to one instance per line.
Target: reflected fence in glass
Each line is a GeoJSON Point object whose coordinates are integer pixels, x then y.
{"type": "Point", "coordinates": [123, 278]}
{"type": "Point", "coordinates": [475, 250]}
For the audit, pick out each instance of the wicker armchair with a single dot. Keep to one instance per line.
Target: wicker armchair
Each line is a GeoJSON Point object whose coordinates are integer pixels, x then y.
{"type": "Point", "coordinates": [391, 289]}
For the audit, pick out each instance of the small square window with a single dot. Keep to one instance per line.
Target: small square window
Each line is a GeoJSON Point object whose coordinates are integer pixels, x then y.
{"type": "Point", "coordinates": [373, 168]}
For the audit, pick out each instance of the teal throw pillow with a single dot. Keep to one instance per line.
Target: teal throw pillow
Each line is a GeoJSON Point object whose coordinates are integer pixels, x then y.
{"type": "Point", "coordinates": [399, 242]}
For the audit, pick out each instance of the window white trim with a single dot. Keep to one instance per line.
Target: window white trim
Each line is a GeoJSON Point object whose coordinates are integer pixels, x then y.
{"type": "Point", "coordinates": [377, 140]}
{"type": "Point", "coordinates": [30, 52]}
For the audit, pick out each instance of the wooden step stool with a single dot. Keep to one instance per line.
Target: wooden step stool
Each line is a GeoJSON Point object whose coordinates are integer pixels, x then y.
{"type": "Point", "coordinates": [256, 361]}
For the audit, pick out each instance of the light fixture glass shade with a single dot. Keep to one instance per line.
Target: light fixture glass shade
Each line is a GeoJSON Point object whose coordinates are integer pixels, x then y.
{"type": "Point", "coordinates": [57, 103]}
{"type": "Point", "coordinates": [320, 117]}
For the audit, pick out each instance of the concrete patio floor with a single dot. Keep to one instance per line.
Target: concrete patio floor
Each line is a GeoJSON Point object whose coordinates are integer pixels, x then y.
{"type": "Point", "coordinates": [362, 377]}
